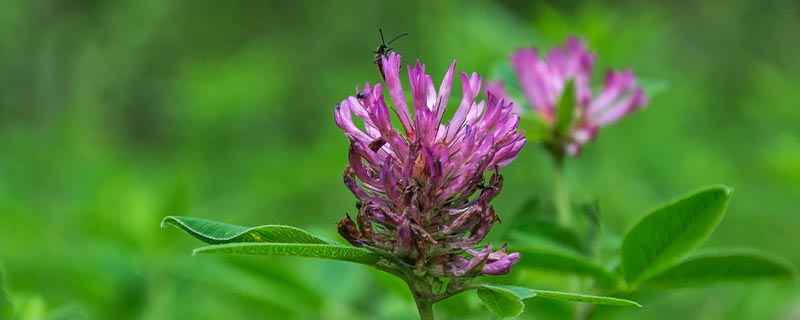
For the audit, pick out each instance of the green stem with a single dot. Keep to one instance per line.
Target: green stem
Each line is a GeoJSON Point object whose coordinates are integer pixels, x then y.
{"type": "Point", "coordinates": [563, 211]}
{"type": "Point", "coordinates": [423, 297]}
{"type": "Point", "coordinates": [425, 308]}
{"type": "Point", "coordinates": [564, 215]}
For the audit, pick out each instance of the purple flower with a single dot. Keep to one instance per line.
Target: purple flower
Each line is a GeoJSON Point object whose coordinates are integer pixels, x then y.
{"type": "Point", "coordinates": [544, 80]}
{"type": "Point", "coordinates": [415, 185]}
{"type": "Point", "coordinates": [500, 262]}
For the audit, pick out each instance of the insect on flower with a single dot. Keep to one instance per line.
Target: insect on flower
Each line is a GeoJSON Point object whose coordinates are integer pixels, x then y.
{"type": "Point", "coordinates": [423, 195]}
{"type": "Point", "coordinates": [383, 50]}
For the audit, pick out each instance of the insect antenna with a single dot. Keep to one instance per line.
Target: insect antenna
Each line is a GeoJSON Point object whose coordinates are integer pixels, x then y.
{"type": "Point", "coordinates": [383, 42]}
{"type": "Point", "coordinates": [395, 38]}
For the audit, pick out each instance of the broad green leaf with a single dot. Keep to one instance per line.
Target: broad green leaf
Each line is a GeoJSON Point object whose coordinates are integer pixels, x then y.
{"type": "Point", "coordinates": [559, 261]}
{"type": "Point", "coordinates": [565, 111]}
{"type": "Point", "coordinates": [557, 295]}
{"type": "Point", "coordinates": [213, 232]}
{"type": "Point", "coordinates": [664, 236]}
{"type": "Point", "coordinates": [501, 302]}
{"type": "Point", "coordinates": [734, 265]}
{"type": "Point", "coordinates": [323, 251]}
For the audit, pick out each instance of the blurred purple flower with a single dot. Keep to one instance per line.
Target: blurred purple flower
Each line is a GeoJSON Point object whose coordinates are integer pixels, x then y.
{"type": "Point", "coordinates": [544, 80]}
{"type": "Point", "coordinates": [415, 187]}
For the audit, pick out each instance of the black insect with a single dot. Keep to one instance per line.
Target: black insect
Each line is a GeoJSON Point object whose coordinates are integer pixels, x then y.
{"type": "Point", "coordinates": [384, 50]}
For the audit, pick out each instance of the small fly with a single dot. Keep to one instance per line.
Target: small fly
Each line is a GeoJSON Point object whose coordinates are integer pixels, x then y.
{"type": "Point", "coordinates": [384, 50]}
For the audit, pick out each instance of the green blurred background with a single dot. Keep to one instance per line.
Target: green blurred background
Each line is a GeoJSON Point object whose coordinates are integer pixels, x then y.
{"type": "Point", "coordinates": [114, 114]}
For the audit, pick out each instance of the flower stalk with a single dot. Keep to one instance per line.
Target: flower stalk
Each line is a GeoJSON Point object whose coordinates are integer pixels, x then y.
{"type": "Point", "coordinates": [423, 299]}
{"type": "Point", "coordinates": [561, 194]}
{"type": "Point", "coordinates": [425, 308]}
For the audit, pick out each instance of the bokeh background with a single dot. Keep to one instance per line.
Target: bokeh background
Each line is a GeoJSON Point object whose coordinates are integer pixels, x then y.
{"type": "Point", "coordinates": [114, 114]}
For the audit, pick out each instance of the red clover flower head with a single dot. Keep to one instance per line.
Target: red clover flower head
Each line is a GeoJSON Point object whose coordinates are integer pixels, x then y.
{"type": "Point", "coordinates": [543, 80]}
{"type": "Point", "coordinates": [421, 190]}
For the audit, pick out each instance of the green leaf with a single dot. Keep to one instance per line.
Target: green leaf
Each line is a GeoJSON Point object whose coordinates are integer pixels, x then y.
{"type": "Point", "coordinates": [506, 301]}
{"type": "Point", "coordinates": [557, 295]}
{"type": "Point", "coordinates": [519, 292]}
{"type": "Point", "coordinates": [721, 266]}
{"type": "Point", "coordinates": [565, 111]}
{"type": "Point", "coordinates": [562, 262]}
{"type": "Point", "coordinates": [213, 232]}
{"type": "Point", "coordinates": [664, 236]}
{"type": "Point", "coordinates": [502, 302]}
{"type": "Point", "coordinates": [323, 251]}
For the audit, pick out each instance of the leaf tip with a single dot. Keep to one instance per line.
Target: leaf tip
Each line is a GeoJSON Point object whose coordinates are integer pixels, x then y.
{"type": "Point", "coordinates": [165, 221]}
{"type": "Point", "coordinates": [728, 190]}
{"type": "Point", "coordinates": [720, 188]}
